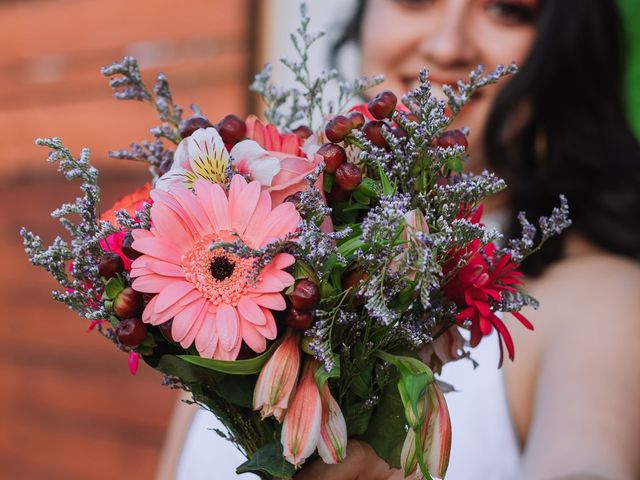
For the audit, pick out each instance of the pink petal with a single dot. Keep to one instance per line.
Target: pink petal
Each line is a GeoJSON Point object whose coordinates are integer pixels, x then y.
{"type": "Point", "coordinates": [282, 220]}
{"type": "Point", "coordinates": [204, 193]}
{"type": "Point", "coordinates": [255, 225]}
{"type": "Point", "coordinates": [207, 332]}
{"type": "Point", "coordinates": [173, 293]}
{"type": "Point", "coordinates": [220, 204]}
{"type": "Point", "coordinates": [164, 268]}
{"type": "Point", "coordinates": [183, 321]}
{"type": "Point", "coordinates": [252, 337]}
{"type": "Point", "coordinates": [268, 283]}
{"type": "Point", "coordinates": [228, 326]}
{"type": "Point", "coordinates": [133, 360]}
{"type": "Point", "coordinates": [158, 248]}
{"type": "Point", "coordinates": [272, 301]}
{"type": "Point", "coordinates": [152, 283]}
{"type": "Point", "coordinates": [140, 233]}
{"type": "Point", "coordinates": [243, 200]}
{"type": "Point", "coordinates": [270, 329]}
{"type": "Point", "coordinates": [190, 337]}
{"type": "Point", "coordinates": [251, 312]}
{"type": "Point", "coordinates": [169, 225]}
{"type": "Point", "coordinates": [195, 212]}
{"type": "Point", "coordinates": [282, 260]}
{"type": "Point", "coordinates": [222, 354]}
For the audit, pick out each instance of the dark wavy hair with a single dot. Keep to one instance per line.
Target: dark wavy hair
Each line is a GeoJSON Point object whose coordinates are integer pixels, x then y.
{"type": "Point", "coordinates": [576, 139]}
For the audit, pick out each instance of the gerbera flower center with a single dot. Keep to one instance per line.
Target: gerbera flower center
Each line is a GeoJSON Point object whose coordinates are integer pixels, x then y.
{"type": "Point", "coordinates": [221, 276]}
{"type": "Point", "coordinates": [221, 268]}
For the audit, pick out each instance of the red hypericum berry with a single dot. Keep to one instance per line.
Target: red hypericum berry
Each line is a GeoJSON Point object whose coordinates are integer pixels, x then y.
{"type": "Point", "coordinates": [334, 156]}
{"type": "Point", "coordinates": [232, 129]}
{"type": "Point", "coordinates": [299, 319]}
{"type": "Point", "coordinates": [110, 265]}
{"type": "Point", "coordinates": [128, 303]}
{"type": "Point", "coordinates": [452, 138]}
{"type": "Point", "coordinates": [303, 132]}
{"type": "Point", "coordinates": [337, 195]}
{"type": "Point", "coordinates": [357, 119]}
{"type": "Point", "coordinates": [348, 176]}
{"type": "Point", "coordinates": [165, 329]}
{"type": "Point", "coordinates": [131, 332]}
{"type": "Point", "coordinates": [191, 124]}
{"type": "Point", "coordinates": [127, 249]}
{"type": "Point", "coordinates": [373, 131]}
{"type": "Point", "coordinates": [441, 180]}
{"type": "Point", "coordinates": [352, 278]}
{"type": "Point", "coordinates": [337, 128]}
{"type": "Point", "coordinates": [383, 104]}
{"type": "Point", "coordinates": [305, 295]}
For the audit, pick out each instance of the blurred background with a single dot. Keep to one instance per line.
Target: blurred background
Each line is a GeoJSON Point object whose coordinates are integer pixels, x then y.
{"type": "Point", "coordinates": [68, 406]}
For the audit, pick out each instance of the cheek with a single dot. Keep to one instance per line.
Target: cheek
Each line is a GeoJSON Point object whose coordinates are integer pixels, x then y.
{"type": "Point", "coordinates": [384, 41]}
{"type": "Point", "coordinates": [504, 45]}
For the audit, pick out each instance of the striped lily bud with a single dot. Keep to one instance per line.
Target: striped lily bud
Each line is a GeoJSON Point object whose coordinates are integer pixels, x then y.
{"type": "Point", "coordinates": [278, 378]}
{"type": "Point", "coordinates": [301, 426]}
{"type": "Point", "coordinates": [332, 442]}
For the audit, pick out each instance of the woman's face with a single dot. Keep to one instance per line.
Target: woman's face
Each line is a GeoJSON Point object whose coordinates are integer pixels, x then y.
{"type": "Point", "coordinates": [450, 38]}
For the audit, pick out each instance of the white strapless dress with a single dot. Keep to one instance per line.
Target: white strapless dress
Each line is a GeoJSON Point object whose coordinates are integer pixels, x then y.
{"type": "Point", "coordinates": [484, 445]}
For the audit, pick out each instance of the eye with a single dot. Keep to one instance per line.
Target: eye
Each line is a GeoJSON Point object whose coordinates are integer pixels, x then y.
{"type": "Point", "coordinates": [512, 12]}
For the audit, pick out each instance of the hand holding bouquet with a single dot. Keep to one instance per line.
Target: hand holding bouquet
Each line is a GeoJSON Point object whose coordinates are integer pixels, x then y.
{"type": "Point", "coordinates": [303, 277]}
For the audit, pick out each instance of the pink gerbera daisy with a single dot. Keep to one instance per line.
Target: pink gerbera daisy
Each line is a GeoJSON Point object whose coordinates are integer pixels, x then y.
{"type": "Point", "coordinates": [208, 291]}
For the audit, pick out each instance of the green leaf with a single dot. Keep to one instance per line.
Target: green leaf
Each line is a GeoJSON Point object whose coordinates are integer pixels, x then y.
{"type": "Point", "coordinates": [350, 246]}
{"type": "Point", "coordinates": [303, 270]}
{"type": "Point", "coordinates": [361, 381]}
{"type": "Point", "coordinates": [357, 416]}
{"type": "Point", "coordinates": [270, 460]}
{"type": "Point", "coordinates": [249, 366]}
{"type": "Point", "coordinates": [322, 375]}
{"type": "Point", "coordinates": [387, 188]}
{"type": "Point", "coordinates": [360, 197]}
{"type": "Point", "coordinates": [406, 365]}
{"type": "Point", "coordinates": [237, 389]}
{"type": "Point", "coordinates": [327, 182]}
{"type": "Point", "coordinates": [387, 430]}
{"type": "Point", "coordinates": [369, 187]}
{"type": "Point", "coordinates": [113, 287]}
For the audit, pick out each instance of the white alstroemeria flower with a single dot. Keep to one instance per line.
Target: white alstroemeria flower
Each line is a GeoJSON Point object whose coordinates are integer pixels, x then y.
{"type": "Point", "coordinates": [201, 155]}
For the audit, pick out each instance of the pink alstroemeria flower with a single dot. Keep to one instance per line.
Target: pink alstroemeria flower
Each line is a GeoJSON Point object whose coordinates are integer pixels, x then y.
{"type": "Point", "coordinates": [332, 442]}
{"type": "Point", "coordinates": [435, 434]}
{"type": "Point", "coordinates": [301, 426]}
{"type": "Point", "coordinates": [275, 160]}
{"type": "Point", "coordinates": [278, 378]}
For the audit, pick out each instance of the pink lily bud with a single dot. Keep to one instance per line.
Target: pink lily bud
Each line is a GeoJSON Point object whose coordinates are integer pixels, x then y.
{"type": "Point", "coordinates": [414, 222]}
{"type": "Point", "coordinates": [435, 434]}
{"type": "Point", "coordinates": [446, 348]}
{"type": "Point", "coordinates": [301, 426]}
{"type": "Point", "coordinates": [278, 378]}
{"type": "Point", "coordinates": [438, 444]}
{"type": "Point", "coordinates": [332, 442]}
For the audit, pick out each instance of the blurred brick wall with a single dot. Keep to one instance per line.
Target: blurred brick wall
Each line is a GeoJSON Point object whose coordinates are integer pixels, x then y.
{"type": "Point", "coordinates": [69, 409]}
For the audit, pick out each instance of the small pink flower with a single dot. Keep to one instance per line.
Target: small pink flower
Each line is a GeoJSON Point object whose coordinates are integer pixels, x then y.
{"type": "Point", "coordinates": [301, 426]}
{"type": "Point", "coordinates": [278, 378]}
{"type": "Point", "coordinates": [435, 434]}
{"type": "Point", "coordinates": [332, 442]}
{"type": "Point", "coordinates": [208, 292]}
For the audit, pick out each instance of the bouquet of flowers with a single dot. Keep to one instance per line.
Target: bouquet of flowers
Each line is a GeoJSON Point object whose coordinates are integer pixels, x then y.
{"type": "Point", "coordinates": [304, 277]}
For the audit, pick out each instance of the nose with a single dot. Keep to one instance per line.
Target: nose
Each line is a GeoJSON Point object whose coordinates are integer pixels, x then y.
{"type": "Point", "coordinates": [448, 44]}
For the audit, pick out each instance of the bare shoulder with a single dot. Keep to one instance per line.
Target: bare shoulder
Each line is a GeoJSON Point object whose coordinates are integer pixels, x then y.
{"type": "Point", "coordinates": [589, 288]}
